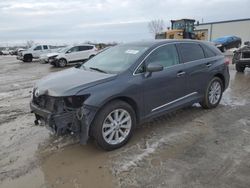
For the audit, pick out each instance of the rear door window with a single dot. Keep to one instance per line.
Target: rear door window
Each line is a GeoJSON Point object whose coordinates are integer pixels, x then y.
{"type": "Point", "coordinates": [45, 47]}
{"type": "Point", "coordinates": [190, 52]}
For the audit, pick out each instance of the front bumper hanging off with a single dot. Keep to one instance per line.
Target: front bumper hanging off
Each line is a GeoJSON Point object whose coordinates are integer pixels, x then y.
{"type": "Point", "coordinates": [76, 121]}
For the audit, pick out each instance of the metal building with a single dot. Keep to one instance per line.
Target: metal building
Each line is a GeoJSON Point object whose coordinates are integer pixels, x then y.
{"type": "Point", "coordinates": [213, 30]}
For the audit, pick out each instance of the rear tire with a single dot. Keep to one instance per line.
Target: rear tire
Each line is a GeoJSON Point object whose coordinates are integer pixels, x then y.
{"type": "Point", "coordinates": [213, 94]}
{"type": "Point", "coordinates": [114, 125]}
{"type": "Point", "coordinates": [239, 68]}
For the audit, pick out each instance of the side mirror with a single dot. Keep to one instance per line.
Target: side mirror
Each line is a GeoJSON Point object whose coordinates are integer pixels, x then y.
{"type": "Point", "coordinates": [154, 67]}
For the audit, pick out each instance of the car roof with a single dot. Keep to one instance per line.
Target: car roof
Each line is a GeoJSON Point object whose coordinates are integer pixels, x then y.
{"type": "Point", "coordinates": [152, 43]}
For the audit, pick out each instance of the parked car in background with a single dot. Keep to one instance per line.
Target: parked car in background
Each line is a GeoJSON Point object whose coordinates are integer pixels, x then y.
{"type": "Point", "coordinates": [16, 51]}
{"type": "Point", "coordinates": [34, 52]}
{"type": "Point", "coordinates": [107, 96]}
{"type": "Point", "coordinates": [227, 42]}
{"type": "Point", "coordinates": [48, 57]}
{"type": "Point", "coordinates": [6, 51]}
{"type": "Point", "coordinates": [73, 54]}
{"type": "Point", "coordinates": [241, 57]}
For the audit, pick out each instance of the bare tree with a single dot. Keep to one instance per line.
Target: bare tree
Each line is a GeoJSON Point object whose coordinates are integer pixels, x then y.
{"type": "Point", "coordinates": [30, 43]}
{"type": "Point", "coordinates": [156, 26]}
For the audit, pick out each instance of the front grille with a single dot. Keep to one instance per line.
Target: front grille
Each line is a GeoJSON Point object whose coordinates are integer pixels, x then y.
{"type": "Point", "coordinates": [246, 55]}
{"type": "Point", "coordinates": [45, 102]}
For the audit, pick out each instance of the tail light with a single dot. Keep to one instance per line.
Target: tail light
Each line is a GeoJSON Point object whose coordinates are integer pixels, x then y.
{"type": "Point", "coordinates": [227, 61]}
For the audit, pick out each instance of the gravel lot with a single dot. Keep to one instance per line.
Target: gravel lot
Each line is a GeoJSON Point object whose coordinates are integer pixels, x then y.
{"type": "Point", "coordinates": [188, 148]}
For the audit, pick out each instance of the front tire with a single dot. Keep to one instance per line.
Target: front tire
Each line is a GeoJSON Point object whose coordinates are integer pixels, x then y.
{"type": "Point", "coordinates": [114, 125]}
{"type": "Point", "coordinates": [27, 58]}
{"type": "Point", "coordinates": [213, 94]}
{"type": "Point", "coordinates": [239, 68]}
{"type": "Point", "coordinates": [62, 62]}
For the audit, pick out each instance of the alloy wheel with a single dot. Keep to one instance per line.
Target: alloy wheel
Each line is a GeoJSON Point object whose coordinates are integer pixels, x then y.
{"type": "Point", "coordinates": [215, 92]}
{"type": "Point", "coordinates": [116, 126]}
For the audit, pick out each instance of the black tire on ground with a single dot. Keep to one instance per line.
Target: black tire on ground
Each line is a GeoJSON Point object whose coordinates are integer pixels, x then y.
{"type": "Point", "coordinates": [239, 68]}
{"type": "Point", "coordinates": [206, 103]}
{"type": "Point", "coordinates": [236, 57]}
{"type": "Point", "coordinates": [27, 58]}
{"type": "Point", "coordinates": [96, 130]}
{"type": "Point", "coordinates": [62, 62]}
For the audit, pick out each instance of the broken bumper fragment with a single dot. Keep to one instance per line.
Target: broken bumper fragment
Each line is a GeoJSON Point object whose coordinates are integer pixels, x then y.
{"type": "Point", "coordinates": [75, 121]}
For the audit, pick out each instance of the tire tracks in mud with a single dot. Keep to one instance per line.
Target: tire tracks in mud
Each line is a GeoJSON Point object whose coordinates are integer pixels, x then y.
{"type": "Point", "coordinates": [191, 141]}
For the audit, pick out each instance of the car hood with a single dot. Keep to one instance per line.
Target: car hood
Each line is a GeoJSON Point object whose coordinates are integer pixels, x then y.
{"type": "Point", "coordinates": [70, 82]}
{"type": "Point", "coordinates": [52, 54]}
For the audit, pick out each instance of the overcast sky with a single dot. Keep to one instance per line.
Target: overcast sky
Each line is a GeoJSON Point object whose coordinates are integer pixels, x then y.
{"type": "Point", "coordinates": [70, 21]}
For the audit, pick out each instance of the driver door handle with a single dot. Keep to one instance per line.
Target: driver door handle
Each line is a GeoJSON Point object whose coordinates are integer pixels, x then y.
{"type": "Point", "coordinates": [208, 64]}
{"type": "Point", "coordinates": [180, 73]}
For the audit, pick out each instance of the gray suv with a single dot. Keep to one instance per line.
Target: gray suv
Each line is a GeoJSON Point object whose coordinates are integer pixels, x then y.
{"type": "Point", "coordinates": [107, 96]}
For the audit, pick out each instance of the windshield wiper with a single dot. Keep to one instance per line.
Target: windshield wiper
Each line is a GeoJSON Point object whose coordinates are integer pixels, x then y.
{"type": "Point", "coordinates": [97, 69]}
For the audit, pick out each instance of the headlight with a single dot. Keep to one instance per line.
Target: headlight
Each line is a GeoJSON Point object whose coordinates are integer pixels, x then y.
{"type": "Point", "coordinates": [75, 101]}
{"type": "Point", "coordinates": [218, 45]}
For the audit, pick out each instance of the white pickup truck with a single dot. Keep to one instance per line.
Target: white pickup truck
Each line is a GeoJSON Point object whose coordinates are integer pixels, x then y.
{"type": "Point", "coordinates": [34, 52]}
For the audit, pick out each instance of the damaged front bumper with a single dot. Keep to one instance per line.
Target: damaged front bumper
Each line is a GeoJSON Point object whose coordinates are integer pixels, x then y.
{"type": "Point", "coordinates": [19, 57]}
{"type": "Point", "coordinates": [75, 121]}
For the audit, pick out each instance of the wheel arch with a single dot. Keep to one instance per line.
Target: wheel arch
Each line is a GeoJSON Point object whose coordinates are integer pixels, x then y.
{"type": "Point", "coordinates": [29, 54]}
{"type": "Point", "coordinates": [219, 75]}
{"type": "Point", "coordinates": [63, 59]}
{"type": "Point", "coordinates": [125, 99]}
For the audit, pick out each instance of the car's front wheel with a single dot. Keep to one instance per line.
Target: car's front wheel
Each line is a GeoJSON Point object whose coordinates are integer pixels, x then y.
{"type": "Point", "coordinates": [114, 125]}
{"type": "Point", "coordinates": [213, 94]}
{"type": "Point", "coordinates": [62, 62]}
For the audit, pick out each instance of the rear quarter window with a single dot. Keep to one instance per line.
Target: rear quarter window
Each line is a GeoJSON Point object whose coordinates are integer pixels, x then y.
{"type": "Point", "coordinates": [190, 52]}
{"type": "Point", "coordinates": [208, 51]}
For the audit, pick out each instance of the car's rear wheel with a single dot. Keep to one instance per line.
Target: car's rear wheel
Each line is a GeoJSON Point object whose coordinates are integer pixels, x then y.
{"type": "Point", "coordinates": [62, 62]}
{"type": "Point", "coordinates": [213, 94]}
{"type": "Point", "coordinates": [239, 68]}
{"type": "Point", "coordinates": [114, 125]}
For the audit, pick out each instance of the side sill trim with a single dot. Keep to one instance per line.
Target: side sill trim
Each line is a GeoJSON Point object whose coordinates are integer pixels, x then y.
{"type": "Point", "coordinates": [174, 101]}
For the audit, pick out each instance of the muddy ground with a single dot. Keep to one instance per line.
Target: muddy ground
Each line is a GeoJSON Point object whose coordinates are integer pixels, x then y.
{"type": "Point", "coordinates": [189, 148]}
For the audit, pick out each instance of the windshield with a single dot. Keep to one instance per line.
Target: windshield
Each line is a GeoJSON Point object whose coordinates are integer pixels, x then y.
{"type": "Point", "coordinates": [59, 50]}
{"type": "Point", "coordinates": [115, 59]}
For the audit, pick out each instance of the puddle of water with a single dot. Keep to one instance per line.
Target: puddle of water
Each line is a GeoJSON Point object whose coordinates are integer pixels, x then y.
{"type": "Point", "coordinates": [77, 166]}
